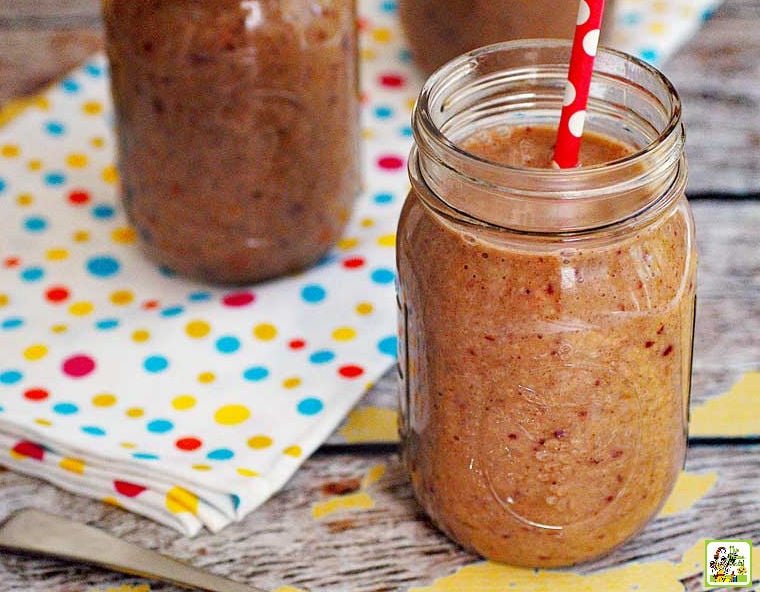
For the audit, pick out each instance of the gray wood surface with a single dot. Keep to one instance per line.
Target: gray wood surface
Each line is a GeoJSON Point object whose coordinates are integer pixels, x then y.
{"type": "Point", "coordinates": [391, 546]}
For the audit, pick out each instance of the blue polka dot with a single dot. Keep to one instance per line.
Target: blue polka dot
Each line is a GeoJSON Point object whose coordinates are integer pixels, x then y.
{"type": "Point", "coordinates": [12, 323]}
{"type": "Point", "coordinates": [383, 276]}
{"type": "Point", "coordinates": [32, 274]}
{"type": "Point", "coordinates": [313, 293]}
{"type": "Point", "coordinates": [10, 376]}
{"type": "Point", "coordinates": [388, 5]}
{"type": "Point", "coordinates": [235, 498]}
{"type": "Point", "coordinates": [103, 211]}
{"type": "Point", "coordinates": [326, 260]}
{"type": "Point", "coordinates": [166, 271]}
{"type": "Point", "coordinates": [227, 344]}
{"type": "Point", "coordinates": [172, 311]}
{"type": "Point", "coordinates": [383, 112]}
{"type": "Point", "coordinates": [2, 408]}
{"type": "Point", "coordinates": [648, 54]}
{"type": "Point", "coordinates": [55, 128]}
{"type": "Point", "coordinates": [388, 345]}
{"type": "Point", "coordinates": [404, 55]}
{"type": "Point", "coordinates": [3, 184]}
{"type": "Point", "coordinates": [94, 70]}
{"type": "Point", "coordinates": [220, 454]}
{"type": "Point", "coordinates": [65, 408]}
{"type": "Point", "coordinates": [103, 266]}
{"type": "Point", "coordinates": [155, 364]}
{"type": "Point", "coordinates": [255, 373]}
{"type": "Point", "coordinates": [55, 178]}
{"type": "Point", "coordinates": [630, 18]}
{"type": "Point", "coordinates": [93, 430]}
{"type": "Point", "coordinates": [383, 198]}
{"type": "Point", "coordinates": [310, 406]}
{"type": "Point", "coordinates": [70, 85]}
{"type": "Point", "coordinates": [145, 456]}
{"type": "Point", "coordinates": [199, 296]}
{"type": "Point", "coordinates": [107, 324]}
{"type": "Point", "coordinates": [160, 426]}
{"type": "Point", "coordinates": [35, 224]}
{"type": "Point", "coordinates": [405, 132]}
{"type": "Point", "coordinates": [322, 356]}
{"type": "Point", "coordinates": [707, 14]}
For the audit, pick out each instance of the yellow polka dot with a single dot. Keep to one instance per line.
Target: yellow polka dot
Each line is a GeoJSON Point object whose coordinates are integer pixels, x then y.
{"type": "Point", "coordinates": [265, 331]}
{"type": "Point", "coordinates": [658, 28]}
{"type": "Point", "coordinates": [24, 199]}
{"type": "Point", "coordinates": [76, 160]}
{"type": "Point", "coordinates": [243, 472]}
{"type": "Point", "coordinates": [80, 309]}
{"type": "Point", "coordinates": [35, 164]}
{"type": "Point", "coordinates": [57, 254]}
{"type": "Point", "coordinates": [59, 328]}
{"type": "Point", "coordinates": [367, 54]}
{"type": "Point", "coordinates": [81, 236]}
{"type": "Point", "coordinates": [124, 235]}
{"type": "Point", "coordinates": [348, 243]}
{"type": "Point", "coordinates": [231, 414]}
{"type": "Point", "coordinates": [294, 451]}
{"type": "Point", "coordinates": [344, 334]}
{"type": "Point", "coordinates": [121, 297]}
{"type": "Point", "coordinates": [111, 501]}
{"type": "Point", "coordinates": [367, 222]}
{"type": "Point", "coordinates": [367, 133]}
{"type": "Point", "coordinates": [183, 402]}
{"type": "Point", "coordinates": [292, 382]}
{"type": "Point", "coordinates": [97, 142]}
{"type": "Point", "coordinates": [382, 35]}
{"type": "Point", "coordinates": [140, 335]}
{"type": "Point", "coordinates": [10, 150]}
{"type": "Point", "coordinates": [197, 329]}
{"type": "Point", "coordinates": [92, 107]}
{"type": "Point", "coordinates": [660, 6]}
{"type": "Point", "coordinates": [128, 445]}
{"type": "Point", "coordinates": [410, 102]}
{"type": "Point", "coordinates": [387, 240]}
{"type": "Point", "coordinates": [110, 174]}
{"type": "Point", "coordinates": [73, 465]}
{"type": "Point", "coordinates": [202, 467]}
{"type": "Point", "coordinates": [260, 442]}
{"type": "Point", "coordinates": [180, 500]}
{"type": "Point", "coordinates": [4, 300]}
{"type": "Point", "coordinates": [135, 412]}
{"type": "Point", "coordinates": [35, 352]}
{"type": "Point", "coordinates": [206, 377]}
{"type": "Point", "coordinates": [364, 308]}
{"type": "Point", "coordinates": [104, 400]}
{"type": "Point", "coordinates": [43, 422]}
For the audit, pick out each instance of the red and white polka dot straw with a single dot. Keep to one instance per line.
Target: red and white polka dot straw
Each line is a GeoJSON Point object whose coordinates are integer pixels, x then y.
{"type": "Point", "coordinates": [573, 114]}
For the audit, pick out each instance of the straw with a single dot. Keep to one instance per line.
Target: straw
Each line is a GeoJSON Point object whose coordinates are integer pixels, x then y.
{"type": "Point", "coordinates": [573, 114]}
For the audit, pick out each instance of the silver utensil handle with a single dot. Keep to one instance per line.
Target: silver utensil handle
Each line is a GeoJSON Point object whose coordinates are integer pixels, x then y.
{"type": "Point", "coordinates": [37, 532]}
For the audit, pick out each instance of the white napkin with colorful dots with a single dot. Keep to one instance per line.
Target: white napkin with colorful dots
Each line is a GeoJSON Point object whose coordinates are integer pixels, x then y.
{"type": "Point", "coordinates": [186, 403]}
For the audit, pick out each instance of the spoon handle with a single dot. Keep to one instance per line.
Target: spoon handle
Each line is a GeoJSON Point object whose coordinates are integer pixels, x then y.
{"type": "Point", "coordinates": [37, 532]}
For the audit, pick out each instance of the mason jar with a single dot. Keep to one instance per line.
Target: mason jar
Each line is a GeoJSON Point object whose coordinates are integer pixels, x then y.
{"type": "Point", "coordinates": [438, 30]}
{"type": "Point", "coordinates": [237, 125]}
{"type": "Point", "coordinates": [546, 315]}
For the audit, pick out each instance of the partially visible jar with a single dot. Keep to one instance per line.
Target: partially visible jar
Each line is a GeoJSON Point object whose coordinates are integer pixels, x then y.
{"type": "Point", "coordinates": [546, 316]}
{"type": "Point", "coordinates": [237, 127]}
{"type": "Point", "coordinates": [439, 30]}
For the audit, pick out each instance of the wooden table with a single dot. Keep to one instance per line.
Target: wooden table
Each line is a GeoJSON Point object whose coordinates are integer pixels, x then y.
{"type": "Point", "coordinates": [391, 546]}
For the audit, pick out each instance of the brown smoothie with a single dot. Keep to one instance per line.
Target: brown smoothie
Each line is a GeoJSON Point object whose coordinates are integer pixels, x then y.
{"type": "Point", "coordinates": [546, 381]}
{"type": "Point", "coordinates": [237, 128]}
{"type": "Point", "coordinates": [438, 30]}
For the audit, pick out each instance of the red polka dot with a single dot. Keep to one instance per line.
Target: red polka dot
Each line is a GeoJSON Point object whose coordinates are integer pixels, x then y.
{"type": "Point", "coordinates": [392, 80]}
{"type": "Point", "coordinates": [350, 371]}
{"type": "Point", "coordinates": [353, 262]}
{"type": "Point", "coordinates": [238, 299]}
{"type": "Point", "coordinates": [30, 449]}
{"type": "Point", "coordinates": [36, 394]}
{"type": "Point", "coordinates": [128, 489]}
{"type": "Point", "coordinates": [390, 162]}
{"type": "Point", "coordinates": [57, 293]}
{"type": "Point", "coordinates": [190, 443]}
{"type": "Point", "coordinates": [78, 366]}
{"type": "Point", "coordinates": [362, 23]}
{"type": "Point", "coordinates": [79, 197]}
{"type": "Point", "coordinates": [11, 261]}
{"type": "Point", "coordinates": [297, 344]}
{"type": "Point", "coordinates": [150, 304]}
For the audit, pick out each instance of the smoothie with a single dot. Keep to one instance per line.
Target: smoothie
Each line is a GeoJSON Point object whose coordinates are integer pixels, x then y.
{"type": "Point", "coordinates": [544, 381]}
{"type": "Point", "coordinates": [237, 126]}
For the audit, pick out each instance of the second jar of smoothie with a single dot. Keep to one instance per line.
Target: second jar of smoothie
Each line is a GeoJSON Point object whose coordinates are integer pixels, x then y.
{"type": "Point", "coordinates": [546, 315]}
{"type": "Point", "coordinates": [237, 127]}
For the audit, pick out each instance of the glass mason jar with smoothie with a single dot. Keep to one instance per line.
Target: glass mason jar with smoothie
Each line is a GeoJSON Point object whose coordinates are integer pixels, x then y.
{"type": "Point", "coordinates": [238, 130]}
{"type": "Point", "coordinates": [546, 315]}
{"type": "Point", "coordinates": [438, 30]}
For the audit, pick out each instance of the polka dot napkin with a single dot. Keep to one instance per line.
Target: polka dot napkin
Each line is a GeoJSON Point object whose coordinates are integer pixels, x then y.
{"type": "Point", "coordinates": [186, 403]}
